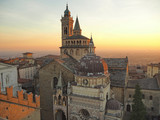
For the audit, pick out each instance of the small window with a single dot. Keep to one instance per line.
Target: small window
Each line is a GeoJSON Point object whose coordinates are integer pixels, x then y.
{"type": "Point", "coordinates": [130, 95]}
{"type": "Point", "coordinates": [150, 98]}
{"type": "Point", "coordinates": [6, 117]}
{"type": "Point", "coordinates": [143, 96]}
{"type": "Point", "coordinates": [6, 108]}
{"type": "Point", "coordinates": [152, 108]}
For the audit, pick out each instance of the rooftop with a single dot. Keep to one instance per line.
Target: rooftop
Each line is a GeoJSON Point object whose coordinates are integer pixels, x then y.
{"type": "Point", "coordinates": [77, 37]}
{"type": "Point", "coordinates": [148, 83]}
{"type": "Point", "coordinates": [117, 62]}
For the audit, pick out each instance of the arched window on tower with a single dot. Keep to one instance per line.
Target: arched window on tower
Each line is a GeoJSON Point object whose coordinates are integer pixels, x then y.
{"type": "Point", "coordinates": [65, 30]}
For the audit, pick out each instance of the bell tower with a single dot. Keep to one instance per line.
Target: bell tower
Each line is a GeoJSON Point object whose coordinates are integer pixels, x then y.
{"type": "Point", "coordinates": [67, 24]}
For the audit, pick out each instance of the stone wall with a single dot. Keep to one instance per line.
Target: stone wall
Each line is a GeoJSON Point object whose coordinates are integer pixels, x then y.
{"type": "Point", "coordinates": [46, 78]}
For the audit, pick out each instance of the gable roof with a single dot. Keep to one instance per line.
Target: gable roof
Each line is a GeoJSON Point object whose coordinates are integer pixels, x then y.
{"type": "Point", "coordinates": [117, 62]}
{"type": "Point", "coordinates": [147, 83]}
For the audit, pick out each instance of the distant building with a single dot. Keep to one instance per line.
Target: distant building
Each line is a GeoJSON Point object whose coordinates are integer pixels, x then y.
{"type": "Point", "coordinates": [153, 69]}
{"type": "Point", "coordinates": [150, 88]}
{"type": "Point", "coordinates": [8, 77]}
{"type": "Point", "coordinates": [28, 55]}
{"type": "Point", "coordinates": [137, 72]}
{"type": "Point", "coordinates": [27, 71]}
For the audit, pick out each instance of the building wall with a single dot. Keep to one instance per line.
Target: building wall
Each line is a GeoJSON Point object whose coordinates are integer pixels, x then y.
{"type": "Point", "coordinates": [27, 72]}
{"type": "Point", "coordinates": [46, 78]}
{"type": "Point", "coordinates": [152, 70]}
{"type": "Point", "coordinates": [152, 105]}
{"type": "Point", "coordinates": [76, 53]}
{"type": "Point", "coordinates": [16, 108]}
{"type": "Point", "coordinates": [119, 93]}
{"type": "Point", "coordinates": [8, 76]}
{"type": "Point", "coordinates": [79, 103]}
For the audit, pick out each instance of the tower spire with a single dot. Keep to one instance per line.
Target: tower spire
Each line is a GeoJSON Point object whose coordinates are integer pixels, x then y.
{"type": "Point", "coordinates": [91, 46]}
{"type": "Point", "coordinates": [67, 6]}
{"type": "Point", "coordinates": [77, 29]}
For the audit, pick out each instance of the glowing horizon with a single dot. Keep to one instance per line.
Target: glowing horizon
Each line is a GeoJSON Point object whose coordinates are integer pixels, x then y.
{"type": "Point", "coordinates": [114, 24]}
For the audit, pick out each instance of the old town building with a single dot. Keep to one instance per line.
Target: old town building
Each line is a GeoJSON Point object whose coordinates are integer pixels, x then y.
{"type": "Point", "coordinates": [150, 88]}
{"type": "Point", "coordinates": [8, 77]}
{"type": "Point", "coordinates": [153, 69]}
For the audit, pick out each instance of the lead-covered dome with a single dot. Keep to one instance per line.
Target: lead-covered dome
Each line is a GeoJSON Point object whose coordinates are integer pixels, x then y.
{"type": "Point", "coordinates": [91, 65]}
{"type": "Point", "coordinates": [113, 104]}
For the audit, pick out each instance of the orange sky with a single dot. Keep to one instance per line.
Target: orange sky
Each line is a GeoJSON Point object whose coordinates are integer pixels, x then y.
{"type": "Point", "coordinates": [115, 25]}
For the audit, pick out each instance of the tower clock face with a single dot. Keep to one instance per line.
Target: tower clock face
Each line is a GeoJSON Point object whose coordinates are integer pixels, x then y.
{"type": "Point", "coordinates": [85, 81]}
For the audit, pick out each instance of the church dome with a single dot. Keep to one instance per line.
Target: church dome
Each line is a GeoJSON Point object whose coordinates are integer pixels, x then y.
{"type": "Point", "coordinates": [113, 104]}
{"type": "Point", "coordinates": [91, 65]}
{"type": "Point", "coordinates": [67, 12]}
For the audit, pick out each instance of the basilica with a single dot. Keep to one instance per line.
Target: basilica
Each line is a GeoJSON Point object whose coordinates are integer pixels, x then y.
{"type": "Point", "coordinates": [81, 85]}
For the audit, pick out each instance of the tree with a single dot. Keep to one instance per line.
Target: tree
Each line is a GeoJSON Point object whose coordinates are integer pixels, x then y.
{"type": "Point", "coordinates": [138, 108]}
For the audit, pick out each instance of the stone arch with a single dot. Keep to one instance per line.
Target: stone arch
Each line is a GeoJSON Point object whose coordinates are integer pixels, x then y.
{"type": "Point", "coordinates": [59, 100]}
{"type": "Point", "coordinates": [74, 42]}
{"type": "Point", "coordinates": [77, 42]}
{"type": "Point", "coordinates": [71, 52]}
{"type": "Point", "coordinates": [60, 115]}
{"type": "Point", "coordinates": [84, 114]}
{"type": "Point", "coordinates": [128, 109]}
{"type": "Point", "coordinates": [80, 42]}
{"type": "Point", "coordinates": [65, 51]}
{"type": "Point", "coordinates": [55, 81]}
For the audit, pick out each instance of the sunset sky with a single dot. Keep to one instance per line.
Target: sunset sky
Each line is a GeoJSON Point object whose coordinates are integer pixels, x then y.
{"type": "Point", "coordinates": [118, 25]}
